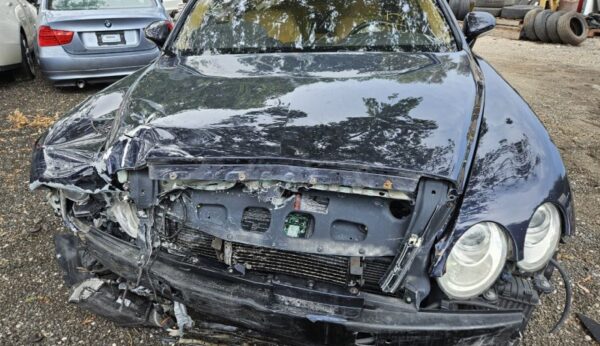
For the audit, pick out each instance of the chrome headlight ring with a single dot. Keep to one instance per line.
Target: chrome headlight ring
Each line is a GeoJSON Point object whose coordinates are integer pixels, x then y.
{"type": "Point", "coordinates": [542, 238]}
{"type": "Point", "coordinates": [475, 261]}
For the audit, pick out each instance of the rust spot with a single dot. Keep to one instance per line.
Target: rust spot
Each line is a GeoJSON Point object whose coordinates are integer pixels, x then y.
{"type": "Point", "coordinates": [387, 184]}
{"type": "Point", "coordinates": [298, 202]}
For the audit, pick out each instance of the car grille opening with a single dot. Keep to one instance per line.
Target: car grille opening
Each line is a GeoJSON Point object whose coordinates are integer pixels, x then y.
{"type": "Point", "coordinates": [256, 219]}
{"type": "Point", "coordinates": [188, 242]}
{"type": "Point", "coordinates": [333, 269]}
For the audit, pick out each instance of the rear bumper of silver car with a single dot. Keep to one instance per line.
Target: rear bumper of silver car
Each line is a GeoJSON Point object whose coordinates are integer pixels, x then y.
{"type": "Point", "coordinates": [61, 67]}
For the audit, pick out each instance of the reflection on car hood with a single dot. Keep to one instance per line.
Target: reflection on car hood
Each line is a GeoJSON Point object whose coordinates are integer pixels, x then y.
{"type": "Point", "coordinates": [403, 114]}
{"type": "Point", "coordinates": [396, 111]}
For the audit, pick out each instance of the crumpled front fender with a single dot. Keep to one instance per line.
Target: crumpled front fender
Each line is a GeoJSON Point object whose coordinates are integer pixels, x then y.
{"type": "Point", "coordinates": [69, 153]}
{"type": "Point", "coordinates": [516, 169]}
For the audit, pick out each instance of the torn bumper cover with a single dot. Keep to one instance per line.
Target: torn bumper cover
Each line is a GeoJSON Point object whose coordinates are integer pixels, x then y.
{"type": "Point", "coordinates": [276, 308]}
{"type": "Point", "coordinates": [290, 260]}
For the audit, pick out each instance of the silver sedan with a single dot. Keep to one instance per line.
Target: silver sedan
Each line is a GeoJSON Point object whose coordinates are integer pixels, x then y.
{"type": "Point", "coordinates": [87, 41]}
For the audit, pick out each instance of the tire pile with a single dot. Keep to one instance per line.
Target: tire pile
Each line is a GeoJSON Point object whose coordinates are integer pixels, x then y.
{"type": "Point", "coordinates": [511, 9]}
{"type": "Point", "coordinates": [538, 24]}
{"type": "Point", "coordinates": [555, 27]}
{"type": "Point", "coordinates": [517, 11]}
{"type": "Point", "coordinates": [493, 7]}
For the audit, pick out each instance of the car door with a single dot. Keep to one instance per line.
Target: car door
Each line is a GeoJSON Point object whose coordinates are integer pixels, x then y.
{"type": "Point", "coordinates": [10, 53]}
{"type": "Point", "coordinates": [27, 19]}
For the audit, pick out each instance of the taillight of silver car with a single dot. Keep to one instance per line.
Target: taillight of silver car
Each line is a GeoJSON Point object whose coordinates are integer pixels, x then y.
{"type": "Point", "coordinates": [51, 37]}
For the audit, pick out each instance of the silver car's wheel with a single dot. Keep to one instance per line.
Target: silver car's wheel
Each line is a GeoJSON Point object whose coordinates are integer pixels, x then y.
{"type": "Point", "coordinates": [27, 69]}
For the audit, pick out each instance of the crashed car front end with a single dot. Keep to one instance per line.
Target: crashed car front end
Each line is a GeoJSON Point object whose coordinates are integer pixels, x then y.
{"type": "Point", "coordinates": [424, 203]}
{"type": "Point", "coordinates": [299, 252]}
{"type": "Point", "coordinates": [279, 270]}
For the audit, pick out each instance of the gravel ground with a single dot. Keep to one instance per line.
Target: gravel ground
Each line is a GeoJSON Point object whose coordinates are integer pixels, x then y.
{"type": "Point", "coordinates": [561, 83]}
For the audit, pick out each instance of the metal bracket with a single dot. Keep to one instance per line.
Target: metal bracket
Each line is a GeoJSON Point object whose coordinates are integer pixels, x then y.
{"type": "Point", "coordinates": [392, 281]}
{"type": "Point", "coordinates": [144, 237]}
{"type": "Point", "coordinates": [431, 212]}
{"type": "Point", "coordinates": [228, 253]}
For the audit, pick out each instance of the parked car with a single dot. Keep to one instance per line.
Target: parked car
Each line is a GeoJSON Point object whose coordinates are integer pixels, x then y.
{"type": "Point", "coordinates": [17, 25]}
{"type": "Point", "coordinates": [95, 41]}
{"type": "Point", "coordinates": [323, 172]}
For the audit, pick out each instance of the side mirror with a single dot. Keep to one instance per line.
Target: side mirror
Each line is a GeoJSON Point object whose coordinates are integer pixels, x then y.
{"type": "Point", "coordinates": [476, 24]}
{"type": "Point", "coordinates": [158, 32]}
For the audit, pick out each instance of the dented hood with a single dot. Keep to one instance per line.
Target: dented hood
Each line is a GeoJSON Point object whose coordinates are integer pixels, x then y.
{"type": "Point", "coordinates": [399, 113]}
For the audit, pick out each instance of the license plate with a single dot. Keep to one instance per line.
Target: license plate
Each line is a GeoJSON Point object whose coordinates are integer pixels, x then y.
{"type": "Point", "coordinates": [112, 38]}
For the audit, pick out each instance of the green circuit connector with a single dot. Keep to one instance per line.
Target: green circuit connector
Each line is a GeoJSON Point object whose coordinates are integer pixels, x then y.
{"type": "Point", "coordinates": [297, 225]}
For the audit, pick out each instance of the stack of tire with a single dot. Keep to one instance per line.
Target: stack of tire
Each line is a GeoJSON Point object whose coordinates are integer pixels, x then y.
{"type": "Point", "coordinates": [493, 7]}
{"type": "Point", "coordinates": [517, 11]}
{"type": "Point", "coordinates": [511, 9]}
{"type": "Point", "coordinates": [555, 27]}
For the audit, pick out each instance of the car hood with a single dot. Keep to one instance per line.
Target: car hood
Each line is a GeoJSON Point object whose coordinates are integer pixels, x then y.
{"type": "Point", "coordinates": [399, 113]}
{"type": "Point", "coordinates": [408, 112]}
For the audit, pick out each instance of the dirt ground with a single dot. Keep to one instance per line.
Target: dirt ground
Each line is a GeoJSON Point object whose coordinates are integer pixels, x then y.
{"type": "Point", "coordinates": [561, 83]}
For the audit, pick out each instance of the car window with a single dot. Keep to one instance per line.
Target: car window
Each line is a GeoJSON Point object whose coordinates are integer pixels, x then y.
{"type": "Point", "coordinates": [237, 26]}
{"type": "Point", "coordinates": [98, 4]}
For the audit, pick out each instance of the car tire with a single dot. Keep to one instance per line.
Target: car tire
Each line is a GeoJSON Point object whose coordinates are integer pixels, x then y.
{"type": "Point", "coordinates": [516, 11]}
{"type": "Point", "coordinates": [528, 21]}
{"type": "Point", "coordinates": [552, 26]}
{"type": "Point", "coordinates": [460, 8]}
{"type": "Point", "coordinates": [454, 7]}
{"type": "Point", "coordinates": [572, 28]}
{"type": "Point", "coordinates": [26, 70]}
{"type": "Point", "coordinates": [491, 10]}
{"type": "Point", "coordinates": [489, 3]}
{"type": "Point", "coordinates": [539, 25]}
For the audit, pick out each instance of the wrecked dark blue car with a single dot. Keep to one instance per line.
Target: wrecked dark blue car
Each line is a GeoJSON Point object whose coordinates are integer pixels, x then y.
{"type": "Point", "coordinates": [311, 172]}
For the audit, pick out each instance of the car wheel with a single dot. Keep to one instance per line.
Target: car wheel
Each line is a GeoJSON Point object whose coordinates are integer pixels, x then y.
{"type": "Point", "coordinates": [572, 28]}
{"type": "Point", "coordinates": [528, 22]}
{"type": "Point", "coordinates": [552, 27]}
{"type": "Point", "coordinates": [539, 25]}
{"type": "Point", "coordinates": [27, 69]}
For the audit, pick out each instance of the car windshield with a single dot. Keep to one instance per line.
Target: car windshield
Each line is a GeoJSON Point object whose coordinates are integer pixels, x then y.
{"type": "Point", "coordinates": [97, 4]}
{"type": "Point", "coordinates": [240, 26]}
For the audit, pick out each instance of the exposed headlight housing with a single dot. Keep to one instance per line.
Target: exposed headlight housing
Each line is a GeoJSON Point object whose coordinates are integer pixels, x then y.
{"type": "Point", "coordinates": [475, 261]}
{"type": "Point", "coordinates": [541, 240]}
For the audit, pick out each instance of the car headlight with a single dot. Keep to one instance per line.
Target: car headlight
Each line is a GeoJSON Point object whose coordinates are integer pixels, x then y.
{"type": "Point", "coordinates": [475, 261]}
{"type": "Point", "coordinates": [541, 239]}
